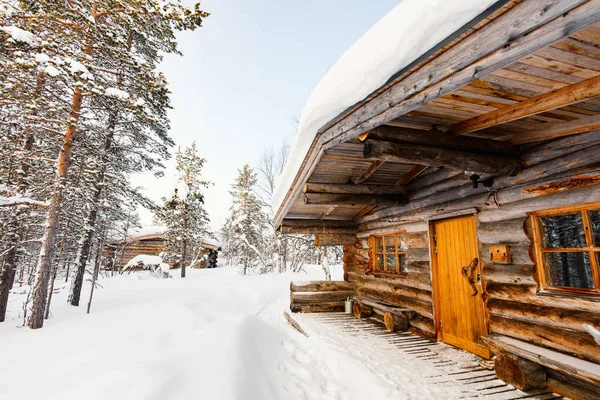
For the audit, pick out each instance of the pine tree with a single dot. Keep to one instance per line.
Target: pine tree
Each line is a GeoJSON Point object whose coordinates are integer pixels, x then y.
{"type": "Point", "coordinates": [77, 74]}
{"type": "Point", "coordinates": [247, 224]}
{"type": "Point", "coordinates": [184, 214]}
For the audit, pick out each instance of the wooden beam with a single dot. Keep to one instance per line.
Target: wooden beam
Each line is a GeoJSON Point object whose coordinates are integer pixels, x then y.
{"type": "Point", "coordinates": [334, 239]}
{"type": "Point", "coordinates": [562, 97]}
{"type": "Point", "coordinates": [416, 171]}
{"type": "Point", "coordinates": [316, 223]}
{"type": "Point", "coordinates": [368, 172]}
{"type": "Point", "coordinates": [440, 140]}
{"type": "Point", "coordinates": [355, 199]}
{"type": "Point", "coordinates": [334, 188]}
{"type": "Point", "coordinates": [315, 230]}
{"type": "Point", "coordinates": [431, 156]}
{"type": "Point", "coordinates": [582, 125]}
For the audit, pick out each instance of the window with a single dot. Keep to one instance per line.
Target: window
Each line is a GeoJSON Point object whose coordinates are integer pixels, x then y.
{"type": "Point", "coordinates": [389, 253]}
{"type": "Point", "coordinates": [568, 249]}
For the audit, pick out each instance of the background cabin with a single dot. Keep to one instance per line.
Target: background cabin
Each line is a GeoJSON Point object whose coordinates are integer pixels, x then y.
{"type": "Point", "coordinates": [154, 244]}
{"type": "Point", "coordinates": [466, 191]}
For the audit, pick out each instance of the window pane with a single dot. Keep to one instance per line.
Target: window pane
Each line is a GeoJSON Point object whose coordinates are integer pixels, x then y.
{"type": "Point", "coordinates": [402, 261]}
{"type": "Point", "coordinates": [563, 231]}
{"type": "Point", "coordinates": [379, 262]}
{"type": "Point", "coordinates": [378, 244]}
{"type": "Point", "coordinates": [390, 262]}
{"type": "Point", "coordinates": [390, 246]}
{"type": "Point", "coordinates": [595, 222]}
{"type": "Point", "coordinates": [569, 270]}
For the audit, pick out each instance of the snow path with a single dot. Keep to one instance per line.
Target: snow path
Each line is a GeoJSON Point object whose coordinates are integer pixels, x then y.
{"type": "Point", "coordinates": [214, 335]}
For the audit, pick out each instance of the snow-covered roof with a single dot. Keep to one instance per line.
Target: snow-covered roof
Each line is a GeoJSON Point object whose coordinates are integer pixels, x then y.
{"type": "Point", "coordinates": [148, 230]}
{"type": "Point", "coordinates": [406, 33]}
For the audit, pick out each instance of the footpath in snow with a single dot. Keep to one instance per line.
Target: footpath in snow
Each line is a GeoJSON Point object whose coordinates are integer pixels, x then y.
{"type": "Point", "coordinates": [214, 335]}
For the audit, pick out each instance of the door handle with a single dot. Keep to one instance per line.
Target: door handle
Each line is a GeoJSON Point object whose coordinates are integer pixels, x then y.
{"type": "Point", "coordinates": [467, 273]}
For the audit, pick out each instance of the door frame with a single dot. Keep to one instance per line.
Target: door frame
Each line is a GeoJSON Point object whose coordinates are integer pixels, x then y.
{"type": "Point", "coordinates": [434, 271]}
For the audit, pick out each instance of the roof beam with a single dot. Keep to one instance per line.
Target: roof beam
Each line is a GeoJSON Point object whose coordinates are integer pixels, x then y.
{"type": "Point", "coordinates": [329, 210]}
{"type": "Point", "coordinates": [368, 172]}
{"type": "Point", "coordinates": [435, 157]}
{"type": "Point", "coordinates": [562, 97]}
{"type": "Point", "coordinates": [335, 188]}
{"type": "Point", "coordinates": [558, 130]}
{"type": "Point", "coordinates": [355, 199]}
{"type": "Point", "coordinates": [441, 140]}
{"type": "Point", "coordinates": [316, 223]}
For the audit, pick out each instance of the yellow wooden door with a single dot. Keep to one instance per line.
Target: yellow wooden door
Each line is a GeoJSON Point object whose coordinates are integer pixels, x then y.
{"type": "Point", "coordinates": [461, 318]}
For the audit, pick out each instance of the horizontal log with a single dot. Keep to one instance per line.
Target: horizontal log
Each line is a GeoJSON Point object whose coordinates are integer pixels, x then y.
{"type": "Point", "coordinates": [542, 315]}
{"type": "Point", "coordinates": [509, 274]}
{"type": "Point", "coordinates": [415, 280]}
{"type": "Point", "coordinates": [431, 156]}
{"type": "Point", "coordinates": [395, 323]}
{"type": "Point", "coordinates": [320, 286]}
{"type": "Point", "coordinates": [361, 310]}
{"type": "Point", "coordinates": [405, 313]}
{"type": "Point", "coordinates": [335, 188]}
{"type": "Point", "coordinates": [565, 366]}
{"type": "Point", "coordinates": [521, 373]}
{"type": "Point", "coordinates": [336, 306]}
{"type": "Point", "coordinates": [312, 230]}
{"type": "Point", "coordinates": [519, 209]}
{"type": "Point", "coordinates": [356, 199]}
{"type": "Point", "coordinates": [417, 254]}
{"type": "Point", "coordinates": [509, 189]}
{"type": "Point", "coordinates": [316, 223]}
{"type": "Point", "coordinates": [439, 139]}
{"type": "Point", "coordinates": [334, 240]}
{"type": "Point", "coordinates": [394, 227]}
{"type": "Point", "coordinates": [576, 343]}
{"type": "Point", "coordinates": [368, 172]}
{"type": "Point", "coordinates": [422, 307]}
{"type": "Point", "coordinates": [423, 325]}
{"type": "Point", "coordinates": [577, 390]}
{"type": "Point", "coordinates": [320, 297]}
{"type": "Point", "coordinates": [528, 295]}
{"type": "Point", "coordinates": [502, 232]}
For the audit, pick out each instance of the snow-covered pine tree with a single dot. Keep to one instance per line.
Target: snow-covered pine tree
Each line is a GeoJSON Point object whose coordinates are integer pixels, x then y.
{"type": "Point", "coordinates": [247, 224]}
{"type": "Point", "coordinates": [184, 214]}
{"type": "Point", "coordinates": [68, 43]}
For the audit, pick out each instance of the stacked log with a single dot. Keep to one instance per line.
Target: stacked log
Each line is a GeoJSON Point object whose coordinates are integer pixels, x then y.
{"type": "Point", "coordinates": [212, 259]}
{"type": "Point", "coordinates": [320, 296]}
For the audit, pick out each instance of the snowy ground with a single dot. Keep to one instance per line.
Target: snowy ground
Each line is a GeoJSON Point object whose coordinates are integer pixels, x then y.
{"type": "Point", "coordinates": [214, 335]}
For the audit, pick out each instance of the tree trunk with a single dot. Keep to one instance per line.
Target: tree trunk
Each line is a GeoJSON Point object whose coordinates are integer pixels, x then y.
{"type": "Point", "coordinates": [40, 289]}
{"type": "Point", "coordinates": [325, 265]}
{"type": "Point", "coordinates": [185, 234]}
{"type": "Point", "coordinates": [96, 271]}
{"type": "Point", "coordinates": [7, 275]}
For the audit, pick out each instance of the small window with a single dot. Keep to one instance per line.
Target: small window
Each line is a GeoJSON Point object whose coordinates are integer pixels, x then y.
{"type": "Point", "coordinates": [389, 253]}
{"type": "Point", "coordinates": [568, 248]}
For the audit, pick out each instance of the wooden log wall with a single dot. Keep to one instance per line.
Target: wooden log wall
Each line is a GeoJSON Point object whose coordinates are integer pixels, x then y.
{"type": "Point", "coordinates": [562, 172]}
{"type": "Point", "coordinates": [410, 289]}
{"type": "Point", "coordinates": [320, 296]}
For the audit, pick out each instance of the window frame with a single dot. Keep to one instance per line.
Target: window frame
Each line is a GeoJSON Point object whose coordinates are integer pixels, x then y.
{"type": "Point", "coordinates": [591, 250]}
{"type": "Point", "coordinates": [397, 252]}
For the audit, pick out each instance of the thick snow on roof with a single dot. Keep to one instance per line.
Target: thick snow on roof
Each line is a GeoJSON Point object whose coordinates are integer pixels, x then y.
{"type": "Point", "coordinates": [408, 31]}
{"type": "Point", "coordinates": [148, 230]}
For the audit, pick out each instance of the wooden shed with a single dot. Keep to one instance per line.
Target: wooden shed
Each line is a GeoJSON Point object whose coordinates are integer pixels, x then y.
{"type": "Point", "coordinates": [465, 190]}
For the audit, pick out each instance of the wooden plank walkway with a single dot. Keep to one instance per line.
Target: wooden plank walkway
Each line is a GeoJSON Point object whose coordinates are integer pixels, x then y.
{"type": "Point", "coordinates": [443, 365]}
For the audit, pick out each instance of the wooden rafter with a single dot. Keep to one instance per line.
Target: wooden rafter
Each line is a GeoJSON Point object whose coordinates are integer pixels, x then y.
{"type": "Point", "coordinates": [557, 130]}
{"type": "Point", "coordinates": [369, 171]}
{"type": "Point", "coordinates": [562, 97]}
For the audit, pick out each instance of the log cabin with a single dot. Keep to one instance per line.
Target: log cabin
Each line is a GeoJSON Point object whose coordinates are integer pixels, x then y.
{"type": "Point", "coordinates": [464, 187]}
{"type": "Point", "coordinates": [151, 241]}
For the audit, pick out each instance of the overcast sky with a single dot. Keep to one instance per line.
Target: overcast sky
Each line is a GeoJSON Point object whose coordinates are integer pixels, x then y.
{"type": "Point", "coordinates": [245, 77]}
